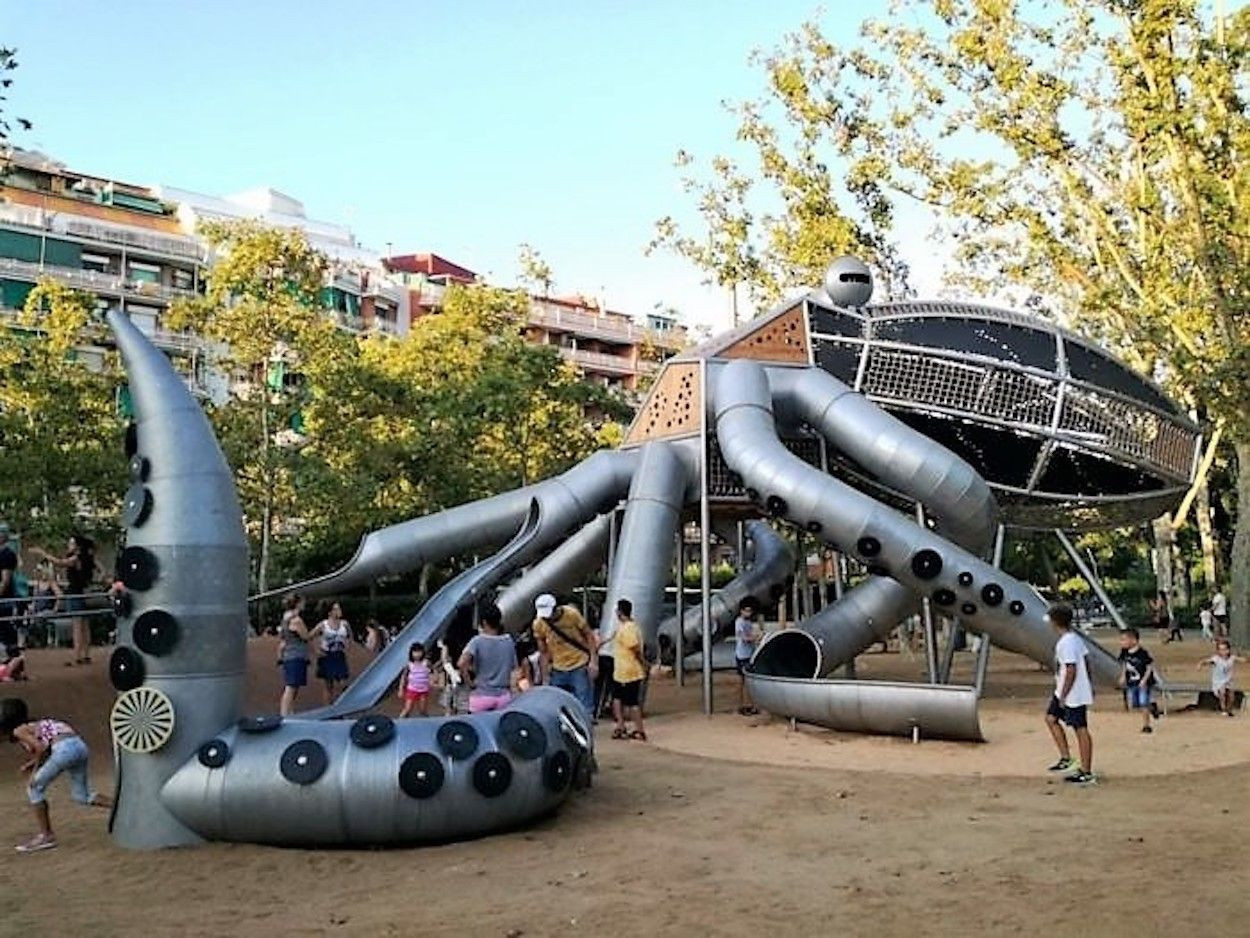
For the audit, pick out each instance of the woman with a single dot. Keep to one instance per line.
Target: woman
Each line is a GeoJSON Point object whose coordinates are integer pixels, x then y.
{"type": "Point", "coordinates": [45, 602]}
{"type": "Point", "coordinates": [334, 632]}
{"type": "Point", "coordinates": [80, 568]}
{"type": "Point", "coordinates": [292, 652]}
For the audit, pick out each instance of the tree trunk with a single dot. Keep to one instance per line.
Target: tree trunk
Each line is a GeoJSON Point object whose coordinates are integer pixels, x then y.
{"type": "Point", "coordinates": [1239, 586]}
{"type": "Point", "coordinates": [1206, 537]}
{"type": "Point", "coordinates": [266, 512]}
{"type": "Point", "coordinates": [1164, 540]}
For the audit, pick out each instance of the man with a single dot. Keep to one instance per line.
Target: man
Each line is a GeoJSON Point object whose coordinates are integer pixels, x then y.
{"type": "Point", "coordinates": [631, 672]}
{"type": "Point", "coordinates": [8, 590]}
{"type": "Point", "coordinates": [1073, 695]}
{"type": "Point", "coordinates": [1219, 609]}
{"type": "Point", "coordinates": [567, 648]}
{"type": "Point", "coordinates": [747, 637]}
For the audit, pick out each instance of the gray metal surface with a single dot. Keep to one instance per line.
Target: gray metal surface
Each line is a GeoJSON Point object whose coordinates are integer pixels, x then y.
{"type": "Point", "coordinates": [358, 799]}
{"type": "Point", "coordinates": [748, 439]}
{"type": "Point", "coordinates": [194, 532]}
{"type": "Point", "coordinates": [643, 560]}
{"type": "Point", "coordinates": [936, 711]}
{"type": "Point", "coordinates": [771, 562]}
{"type": "Point", "coordinates": [592, 486]}
{"type": "Point", "coordinates": [566, 567]}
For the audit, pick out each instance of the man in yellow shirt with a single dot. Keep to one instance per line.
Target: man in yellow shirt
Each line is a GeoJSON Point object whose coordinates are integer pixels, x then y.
{"type": "Point", "coordinates": [568, 650]}
{"type": "Point", "coordinates": [630, 671]}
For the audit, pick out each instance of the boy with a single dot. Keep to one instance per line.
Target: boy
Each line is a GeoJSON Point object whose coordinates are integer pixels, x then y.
{"type": "Point", "coordinates": [1137, 675]}
{"type": "Point", "coordinates": [746, 639]}
{"type": "Point", "coordinates": [631, 672]}
{"type": "Point", "coordinates": [1073, 695]}
{"type": "Point", "coordinates": [1206, 619]}
{"type": "Point", "coordinates": [1221, 665]}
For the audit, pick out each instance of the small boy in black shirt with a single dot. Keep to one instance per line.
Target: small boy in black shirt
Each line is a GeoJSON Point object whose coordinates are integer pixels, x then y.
{"type": "Point", "coordinates": [1138, 675]}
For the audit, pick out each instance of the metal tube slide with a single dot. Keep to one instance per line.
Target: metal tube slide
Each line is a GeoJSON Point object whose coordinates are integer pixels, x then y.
{"type": "Point", "coordinates": [772, 560]}
{"type": "Point", "coordinates": [935, 711]}
{"type": "Point", "coordinates": [643, 561]}
{"type": "Point", "coordinates": [592, 486]}
{"type": "Point", "coordinates": [564, 568]}
{"type": "Point", "coordinates": [1010, 613]}
{"type": "Point", "coordinates": [181, 646]}
{"type": "Point", "coordinates": [380, 781]}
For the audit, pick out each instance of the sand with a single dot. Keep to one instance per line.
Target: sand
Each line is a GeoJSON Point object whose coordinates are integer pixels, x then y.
{"type": "Point", "coordinates": [726, 826]}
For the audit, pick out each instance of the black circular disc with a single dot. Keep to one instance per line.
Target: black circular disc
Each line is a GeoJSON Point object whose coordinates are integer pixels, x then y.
{"type": "Point", "coordinates": [122, 603]}
{"type": "Point", "coordinates": [814, 527]}
{"type": "Point", "coordinates": [131, 441]}
{"type": "Point", "coordinates": [138, 567]}
{"type": "Point", "coordinates": [868, 546]}
{"type": "Point", "coordinates": [214, 754]}
{"type": "Point", "coordinates": [558, 771]}
{"type": "Point", "coordinates": [991, 594]}
{"type": "Point", "coordinates": [262, 723]}
{"type": "Point", "coordinates": [140, 469]}
{"type": "Point", "coordinates": [492, 774]}
{"type": "Point", "coordinates": [136, 505]}
{"type": "Point", "coordinates": [753, 494]}
{"type": "Point", "coordinates": [968, 609]}
{"type": "Point", "coordinates": [421, 775]}
{"type": "Point", "coordinates": [373, 730]}
{"type": "Point", "coordinates": [457, 739]}
{"type": "Point", "coordinates": [926, 564]}
{"type": "Point", "coordinates": [776, 506]}
{"type": "Point", "coordinates": [126, 669]}
{"type": "Point", "coordinates": [944, 597]}
{"type": "Point", "coordinates": [522, 735]}
{"type": "Point", "coordinates": [303, 762]}
{"type": "Point", "coordinates": [156, 632]}
{"type": "Point", "coordinates": [877, 569]}
{"type": "Point", "coordinates": [1015, 607]}
{"type": "Point", "coordinates": [965, 579]}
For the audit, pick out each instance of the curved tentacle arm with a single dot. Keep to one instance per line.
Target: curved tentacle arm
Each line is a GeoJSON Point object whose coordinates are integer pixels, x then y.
{"type": "Point", "coordinates": [562, 569]}
{"type": "Point", "coordinates": [1010, 613]}
{"type": "Point", "coordinates": [593, 485]}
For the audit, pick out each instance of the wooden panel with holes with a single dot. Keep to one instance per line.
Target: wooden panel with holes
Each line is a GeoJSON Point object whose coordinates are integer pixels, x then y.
{"type": "Point", "coordinates": [783, 339]}
{"type": "Point", "coordinates": [674, 407]}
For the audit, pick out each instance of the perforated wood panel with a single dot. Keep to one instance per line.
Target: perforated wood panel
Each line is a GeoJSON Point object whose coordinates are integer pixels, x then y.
{"type": "Point", "coordinates": [673, 407]}
{"type": "Point", "coordinates": [783, 339]}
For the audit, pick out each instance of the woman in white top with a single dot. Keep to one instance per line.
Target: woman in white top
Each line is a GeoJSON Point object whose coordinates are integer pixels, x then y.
{"type": "Point", "coordinates": [334, 633]}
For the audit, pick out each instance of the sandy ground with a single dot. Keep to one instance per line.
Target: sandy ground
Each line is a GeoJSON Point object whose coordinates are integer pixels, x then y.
{"type": "Point", "coordinates": [725, 826]}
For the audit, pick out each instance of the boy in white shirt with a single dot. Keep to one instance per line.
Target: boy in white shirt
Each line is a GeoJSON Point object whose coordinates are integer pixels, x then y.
{"type": "Point", "coordinates": [1073, 695]}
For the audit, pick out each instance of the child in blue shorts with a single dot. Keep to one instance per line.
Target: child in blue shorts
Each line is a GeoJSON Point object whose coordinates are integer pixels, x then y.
{"type": "Point", "coordinates": [1137, 675]}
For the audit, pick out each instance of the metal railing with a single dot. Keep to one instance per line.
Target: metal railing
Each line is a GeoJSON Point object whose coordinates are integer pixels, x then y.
{"type": "Point", "coordinates": [55, 222]}
{"type": "Point", "coordinates": [92, 280]}
{"type": "Point", "coordinates": [601, 361]}
{"type": "Point", "coordinates": [612, 328]}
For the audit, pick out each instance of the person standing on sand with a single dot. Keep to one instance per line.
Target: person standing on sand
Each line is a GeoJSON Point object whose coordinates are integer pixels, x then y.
{"type": "Point", "coordinates": [568, 650]}
{"type": "Point", "coordinates": [747, 637]}
{"type": "Point", "coordinates": [292, 652]}
{"type": "Point", "coordinates": [80, 568]}
{"type": "Point", "coordinates": [1219, 609]}
{"type": "Point", "coordinates": [489, 659]}
{"type": "Point", "coordinates": [1222, 664]}
{"type": "Point", "coordinates": [335, 633]}
{"type": "Point", "coordinates": [1137, 674]}
{"type": "Point", "coordinates": [630, 674]}
{"type": "Point", "coordinates": [1073, 695]}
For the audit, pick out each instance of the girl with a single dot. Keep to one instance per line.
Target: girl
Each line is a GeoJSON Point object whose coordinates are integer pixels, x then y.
{"type": "Point", "coordinates": [292, 652]}
{"type": "Point", "coordinates": [414, 685]}
{"type": "Point", "coordinates": [334, 631]}
{"type": "Point", "coordinates": [46, 600]}
{"type": "Point", "coordinates": [1221, 665]}
{"type": "Point", "coordinates": [80, 569]}
{"type": "Point", "coordinates": [54, 747]}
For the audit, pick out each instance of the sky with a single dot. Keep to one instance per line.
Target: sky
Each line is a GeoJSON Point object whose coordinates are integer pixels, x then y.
{"type": "Point", "coordinates": [462, 128]}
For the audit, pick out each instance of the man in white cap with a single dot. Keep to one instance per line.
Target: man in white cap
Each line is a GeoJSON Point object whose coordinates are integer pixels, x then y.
{"type": "Point", "coordinates": [568, 650]}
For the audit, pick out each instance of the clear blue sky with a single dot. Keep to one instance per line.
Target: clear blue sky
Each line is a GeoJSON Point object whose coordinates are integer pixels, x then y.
{"type": "Point", "coordinates": [463, 128]}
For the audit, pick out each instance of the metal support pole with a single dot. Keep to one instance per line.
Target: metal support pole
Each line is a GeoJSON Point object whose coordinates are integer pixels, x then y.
{"type": "Point", "coordinates": [1091, 578]}
{"type": "Point", "coordinates": [679, 647]}
{"type": "Point", "coordinates": [983, 650]}
{"type": "Point", "coordinates": [926, 617]}
{"type": "Point", "coordinates": [948, 653]}
{"type": "Point", "coordinates": [803, 608]}
{"type": "Point", "coordinates": [705, 547]}
{"type": "Point", "coordinates": [839, 587]}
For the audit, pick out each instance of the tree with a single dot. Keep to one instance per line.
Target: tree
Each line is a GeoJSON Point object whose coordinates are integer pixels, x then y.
{"type": "Point", "coordinates": [535, 272]}
{"type": "Point", "coordinates": [60, 432]}
{"type": "Point", "coordinates": [1087, 155]}
{"type": "Point", "coordinates": [8, 63]}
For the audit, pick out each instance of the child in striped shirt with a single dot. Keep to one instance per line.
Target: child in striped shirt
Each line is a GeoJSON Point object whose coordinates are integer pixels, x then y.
{"type": "Point", "coordinates": [414, 686]}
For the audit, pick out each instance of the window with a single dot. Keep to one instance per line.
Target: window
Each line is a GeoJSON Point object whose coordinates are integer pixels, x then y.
{"type": "Point", "coordinates": [99, 263]}
{"type": "Point", "coordinates": [182, 279]}
{"type": "Point", "coordinates": [144, 318]}
{"type": "Point", "coordinates": [143, 273]}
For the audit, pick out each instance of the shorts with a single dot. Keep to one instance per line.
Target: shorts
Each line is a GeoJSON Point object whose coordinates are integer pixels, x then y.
{"type": "Point", "coordinates": [332, 666]}
{"type": "Point", "coordinates": [74, 604]}
{"type": "Point", "coordinates": [295, 672]}
{"type": "Point", "coordinates": [628, 693]}
{"type": "Point", "coordinates": [742, 664]}
{"type": "Point", "coordinates": [1075, 717]}
{"type": "Point", "coordinates": [1138, 696]}
{"type": "Point", "coordinates": [480, 703]}
{"type": "Point", "coordinates": [415, 696]}
{"type": "Point", "coordinates": [67, 755]}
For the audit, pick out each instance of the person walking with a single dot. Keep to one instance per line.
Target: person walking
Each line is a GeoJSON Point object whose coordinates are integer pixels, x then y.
{"type": "Point", "coordinates": [1137, 675]}
{"type": "Point", "coordinates": [488, 662]}
{"type": "Point", "coordinates": [1071, 700]}
{"type": "Point", "coordinates": [292, 652]}
{"type": "Point", "coordinates": [568, 650]}
{"type": "Point", "coordinates": [630, 674]}
{"type": "Point", "coordinates": [80, 569]}
{"type": "Point", "coordinates": [1219, 609]}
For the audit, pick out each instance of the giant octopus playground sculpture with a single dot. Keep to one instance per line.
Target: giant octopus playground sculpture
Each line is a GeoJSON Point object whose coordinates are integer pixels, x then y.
{"type": "Point", "coordinates": [826, 412]}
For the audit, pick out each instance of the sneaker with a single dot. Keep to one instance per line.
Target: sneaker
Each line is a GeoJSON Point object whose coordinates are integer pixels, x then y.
{"type": "Point", "coordinates": [1082, 778]}
{"type": "Point", "coordinates": [1062, 766]}
{"type": "Point", "coordinates": [1154, 709]}
{"type": "Point", "coordinates": [37, 843]}
{"type": "Point", "coordinates": [1147, 729]}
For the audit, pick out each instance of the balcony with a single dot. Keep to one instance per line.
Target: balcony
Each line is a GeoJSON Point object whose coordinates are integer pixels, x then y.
{"type": "Point", "coordinates": [607, 328]}
{"type": "Point", "coordinates": [602, 363]}
{"type": "Point", "coordinates": [90, 280]}
{"type": "Point", "coordinates": [64, 222]}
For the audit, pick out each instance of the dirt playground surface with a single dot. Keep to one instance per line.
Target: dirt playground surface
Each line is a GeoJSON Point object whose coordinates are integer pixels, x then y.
{"type": "Point", "coordinates": [724, 826]}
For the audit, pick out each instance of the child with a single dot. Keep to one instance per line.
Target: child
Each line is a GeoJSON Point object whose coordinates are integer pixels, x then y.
{"type": "Point", "coordinates": [1137, 675]}
{"type": "Point", "coordinates": [1221, 665]}
{"type": "Point", "coordinates": [452, 696]}
{"type": "Point", "coordinates": [747, 637]}
{"type": "Point", "coordinates": [629, 675]}
{"type": "Point", "coordinates": [54, 747]}
{"type": "Point", "coordinates": [1207, 620]}
{"type": "Point", "coordinates": [14, 668]}
{"type": "Point", "coordinates": [1069, 704]}
{"type": "Point", "coordinates": [414, 685]}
